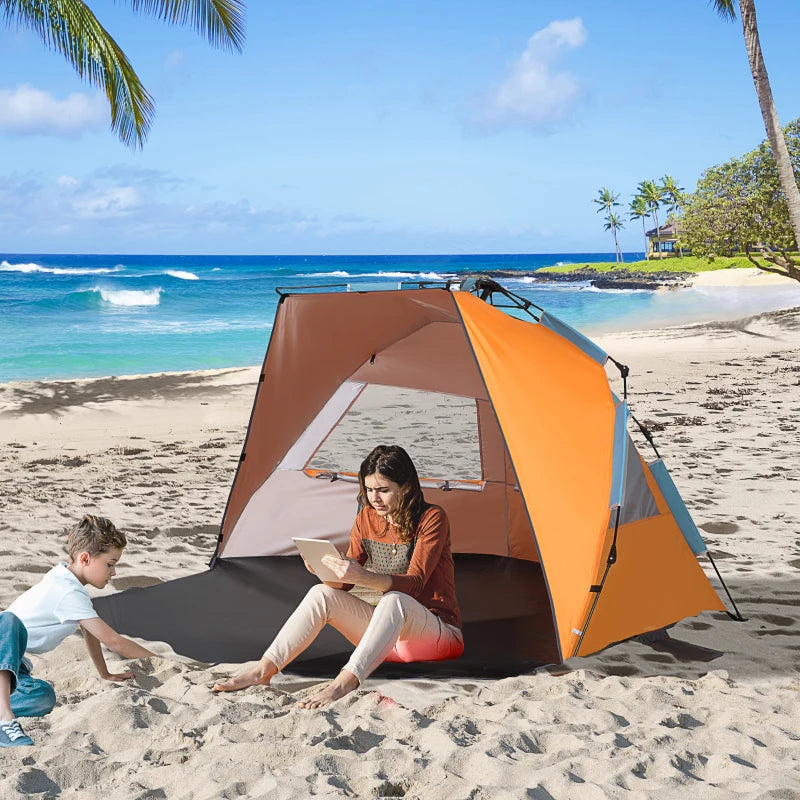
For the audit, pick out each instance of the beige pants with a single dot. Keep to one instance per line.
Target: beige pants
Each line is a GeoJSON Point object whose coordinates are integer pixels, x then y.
{"type": "Point", "coordinates": [397, 629]}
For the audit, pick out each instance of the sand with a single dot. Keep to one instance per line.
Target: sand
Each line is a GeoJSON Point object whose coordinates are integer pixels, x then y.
{"type": "Point", "coordinates": [744, 276]}
{"type": "Point", "coordinates": [157, 454]}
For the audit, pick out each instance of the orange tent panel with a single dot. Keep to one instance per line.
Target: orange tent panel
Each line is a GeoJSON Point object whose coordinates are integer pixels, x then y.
{"type": "Point", "coordinates": [655, 581]}
{"type": "Point", "coordinates": [556, 411]}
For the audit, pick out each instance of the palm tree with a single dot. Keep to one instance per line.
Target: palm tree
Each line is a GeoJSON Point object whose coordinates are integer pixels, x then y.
{"type": "Point", "coordinates": [69, 27]}
{"type": "Point", "coordinates": [673, 194]}
{"type": "Point", "coordinates": [613, 224]}
{"type": "Point", "coordinates": [674, 198]}
{"type": "Point", "coordinates": [777, 142]}
{"type": "Point", "coordinates": [606, 199]}
{"type": "Point", "coordinates": [653, 196]}
{"type": "Point", "coordinates": [638, 208]}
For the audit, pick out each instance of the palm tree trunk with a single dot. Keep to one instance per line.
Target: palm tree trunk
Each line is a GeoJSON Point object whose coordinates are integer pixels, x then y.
{"type": "Point", "coordinates": [644, 234]}
{"type": "Point", "coordinates": [658, 234]}
{"type": "Point", "coordinates": [774, 133]}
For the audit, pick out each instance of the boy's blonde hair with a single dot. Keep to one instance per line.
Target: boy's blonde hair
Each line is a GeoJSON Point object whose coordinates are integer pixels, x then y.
{"type": "Point", "coordinates": [94, 535]}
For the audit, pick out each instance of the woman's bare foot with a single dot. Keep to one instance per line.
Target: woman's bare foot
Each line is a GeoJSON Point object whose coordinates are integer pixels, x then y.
{"type": "Point", "coordinates": [344, 683]}
{"type": "Point", "coordinates": [259, 675]}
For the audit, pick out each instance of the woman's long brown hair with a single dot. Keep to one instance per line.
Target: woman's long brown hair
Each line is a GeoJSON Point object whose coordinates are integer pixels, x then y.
{"type": "Point", "coordinates": [394, 463]}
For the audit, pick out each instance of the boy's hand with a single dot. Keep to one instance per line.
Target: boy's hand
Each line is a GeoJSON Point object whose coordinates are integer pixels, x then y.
{"type": "Point", "coordinates": [118, 676]}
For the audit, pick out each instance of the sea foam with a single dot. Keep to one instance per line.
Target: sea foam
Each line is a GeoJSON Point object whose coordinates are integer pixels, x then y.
{"type": "Point", "coordinates": [337, 273]}
{"type": "Point", "coordinates": [182, 274]}
{"type": "Point", "coordinates": [420, 276]}
{"type": "Point", "coordinates": [32, 268]}
{"type": "Point", "coordinates": [129, 297]}
{"type": "Point", "coordinates": [340, 273]}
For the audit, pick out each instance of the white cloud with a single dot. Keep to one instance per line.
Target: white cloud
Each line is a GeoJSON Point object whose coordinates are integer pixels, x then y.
{"type": "Point", "coordinates": [133, 205]}
{"type": "Point", "coordinates": [28, 110]}
{"type": "Point", "coordinates": [107, 203]}
{"type": "Point", "coordinates": [533, 94]}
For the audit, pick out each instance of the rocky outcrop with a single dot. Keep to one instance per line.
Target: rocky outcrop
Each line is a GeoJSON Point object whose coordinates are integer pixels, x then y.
{"type": "Point", "coordinates": [613, 279]}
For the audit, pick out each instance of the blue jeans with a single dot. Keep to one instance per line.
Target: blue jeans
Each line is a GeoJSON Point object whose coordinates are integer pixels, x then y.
{"type": "Point", "coordinates": [30, 697]}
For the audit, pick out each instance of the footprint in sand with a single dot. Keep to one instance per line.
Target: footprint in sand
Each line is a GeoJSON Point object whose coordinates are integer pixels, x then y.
{"type": "Point", "coordinates": [777, 619]}
{"type": "Point", "coordinates": [196, 530]}
{"type": "Point", "coordinates": [38, 568]}
{"type": "Point", "coordinates": [35, 781]}
{"type": "Point", "coordinates": [720, 555]}
{"type": "Point", "coordinates": [723, 528]}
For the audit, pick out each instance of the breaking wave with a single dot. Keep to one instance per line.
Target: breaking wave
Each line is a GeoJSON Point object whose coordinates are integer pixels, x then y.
{"type": "Point", "coordinates": [182, 274]}
{"type": "Point", "coordinates": [337, 273]}
{"type": "Point", "coordinates": [129, 297]}
{"type": "Point", "coordinates": [33, 267]}
{"type": "Point", "coordinates": [340, 273]}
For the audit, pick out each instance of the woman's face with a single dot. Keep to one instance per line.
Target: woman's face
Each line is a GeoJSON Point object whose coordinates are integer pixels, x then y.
{"type": "Point", "coordinates": [382, 494]}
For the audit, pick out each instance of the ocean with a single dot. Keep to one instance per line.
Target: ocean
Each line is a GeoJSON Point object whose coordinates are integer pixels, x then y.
{"type": "Point", "coordinates": [74, 316]}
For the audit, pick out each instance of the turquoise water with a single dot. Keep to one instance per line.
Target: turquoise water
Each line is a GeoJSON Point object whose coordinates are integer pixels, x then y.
{"type": "Point", "coordinates": [67, 316]}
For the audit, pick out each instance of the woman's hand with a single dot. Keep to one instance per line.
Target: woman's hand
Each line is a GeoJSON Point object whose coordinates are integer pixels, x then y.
{"type": "Point", "coordinates": [352, 572]}
{"type": "Point", "coordinates": [343, 568]}
{"type": "Point", "coordinates": [307, 565]}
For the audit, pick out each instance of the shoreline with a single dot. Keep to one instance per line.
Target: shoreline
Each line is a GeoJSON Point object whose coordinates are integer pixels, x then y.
{"type": "Point", "coordinates": [724, 280]}
{"type": "Point", "coordinates": [647, 280]}
{"type": "Point", "coordinates": [737, 293]}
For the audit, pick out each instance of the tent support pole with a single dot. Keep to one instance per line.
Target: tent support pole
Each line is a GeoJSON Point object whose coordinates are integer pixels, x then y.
{"type": "Point", "coordinates": [647, 435]}
{"type": "Point", "coordinates": [738, 615]}
{"type": "Point", "coordinates": [624, 371]}
{"type": "Point", "coordinates": [597, 588]}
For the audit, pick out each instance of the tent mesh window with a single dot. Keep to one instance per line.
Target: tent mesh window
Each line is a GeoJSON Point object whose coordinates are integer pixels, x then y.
{"type": "Point", "coordinates": [440, 433]}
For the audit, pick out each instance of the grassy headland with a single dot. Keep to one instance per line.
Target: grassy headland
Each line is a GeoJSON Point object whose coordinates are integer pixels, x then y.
{"type": "Point", "coordinates": [685, 264]}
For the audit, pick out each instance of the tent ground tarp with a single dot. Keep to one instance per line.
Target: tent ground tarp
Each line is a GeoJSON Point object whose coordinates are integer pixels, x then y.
{"type": "Point", "coordinates": [231, 613]}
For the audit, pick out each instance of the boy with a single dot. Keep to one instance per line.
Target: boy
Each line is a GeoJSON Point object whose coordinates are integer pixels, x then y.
{"type": "Point", "coordinates": [42, 617]}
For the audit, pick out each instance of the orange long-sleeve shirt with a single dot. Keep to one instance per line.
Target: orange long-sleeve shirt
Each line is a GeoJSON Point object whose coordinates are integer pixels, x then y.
{"type": "Point", "coordinates": [430, 578]}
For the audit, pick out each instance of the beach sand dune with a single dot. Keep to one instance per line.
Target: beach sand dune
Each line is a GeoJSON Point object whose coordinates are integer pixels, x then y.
{"type": "Point", "coordinates": [157, 455]}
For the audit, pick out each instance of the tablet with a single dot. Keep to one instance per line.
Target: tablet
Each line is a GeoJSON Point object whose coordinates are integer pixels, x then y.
{"type": "Point", "coordinates": [312, 551]}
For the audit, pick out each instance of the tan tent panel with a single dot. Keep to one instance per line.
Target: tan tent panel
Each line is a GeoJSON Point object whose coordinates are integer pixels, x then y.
{"type": "Point", "coordinates": [318, 342]}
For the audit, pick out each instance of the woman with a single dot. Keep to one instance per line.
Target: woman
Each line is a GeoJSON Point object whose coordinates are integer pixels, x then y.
{"type": "Point", "coordinates": [400, 548]}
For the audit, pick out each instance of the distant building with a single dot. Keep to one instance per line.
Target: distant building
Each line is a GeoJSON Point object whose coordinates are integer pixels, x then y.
{"type": "Point", "coordinates": [662, 242]}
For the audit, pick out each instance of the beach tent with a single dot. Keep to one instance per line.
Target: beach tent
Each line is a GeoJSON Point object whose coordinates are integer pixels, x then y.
{"type": "Point", "coordinates": [565, 540]}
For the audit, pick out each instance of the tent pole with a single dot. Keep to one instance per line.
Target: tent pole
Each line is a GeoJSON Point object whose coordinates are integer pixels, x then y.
{"type": "Point", "coordinates": [624, 371]}
{"type": "Point", "coordinates": [597, 588]}
{"type": "Point", "coordinates": [647, 435]}
{"type": "Point", "coordinates": [737, 616]}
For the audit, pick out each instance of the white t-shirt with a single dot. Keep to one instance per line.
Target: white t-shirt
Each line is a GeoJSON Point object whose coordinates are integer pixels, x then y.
{"type": "Point", "coordinates": [52, 609]}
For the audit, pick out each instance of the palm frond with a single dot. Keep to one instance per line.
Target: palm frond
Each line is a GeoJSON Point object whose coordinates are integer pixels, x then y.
{"type": "Point", "coordinates": [222, 22]}
{"type": "Point", "coordinates": [725, 8]}
{"type": "Point", "coordinates": [71, 29]}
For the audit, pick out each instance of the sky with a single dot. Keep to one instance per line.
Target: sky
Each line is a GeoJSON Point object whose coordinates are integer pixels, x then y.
{"type": "Point", "coordinates": [383, 127]}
